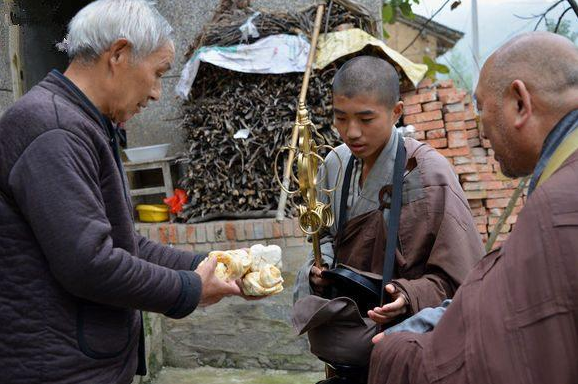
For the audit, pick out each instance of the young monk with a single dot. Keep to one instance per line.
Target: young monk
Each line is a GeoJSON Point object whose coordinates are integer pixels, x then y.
{"type": "Point", "coordinates": [438, 240]}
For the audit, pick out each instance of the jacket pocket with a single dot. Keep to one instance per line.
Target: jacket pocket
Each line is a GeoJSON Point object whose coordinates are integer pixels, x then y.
{"type": "Point", "coordinates": [103, 331]}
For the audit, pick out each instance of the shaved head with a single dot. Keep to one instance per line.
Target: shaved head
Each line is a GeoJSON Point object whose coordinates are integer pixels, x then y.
{"type": "Point", "coordinates": [368, 75]}
{"type": "Point", "coordinates": [544, 61]}
{"type": "Point", "coordinates": [526, 87]}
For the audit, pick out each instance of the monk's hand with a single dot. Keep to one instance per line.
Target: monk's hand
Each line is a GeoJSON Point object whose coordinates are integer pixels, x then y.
{"type": "Point", "coordinates": [377, 338]}
{"type": "Point", "coordinates": [388, 312]}
{"type": "Point", "coordinates": [214, 289]}
{"type": "Point", "coordinates": [318, 282]}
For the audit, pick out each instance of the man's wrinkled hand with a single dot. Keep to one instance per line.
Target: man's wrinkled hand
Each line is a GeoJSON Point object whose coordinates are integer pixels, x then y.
{"type": "Point", "coordinates": [317, 282]}
{"type": "Point", "coordinates": [214, 289]}
{"type": "Point", "coordinates": [388, 312]}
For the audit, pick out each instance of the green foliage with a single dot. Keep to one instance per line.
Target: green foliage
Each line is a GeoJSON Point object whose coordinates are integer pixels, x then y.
{"type": "Point", "coordinates": [390, 8]}
{"type": "Point", "coordinates": [434, 68]}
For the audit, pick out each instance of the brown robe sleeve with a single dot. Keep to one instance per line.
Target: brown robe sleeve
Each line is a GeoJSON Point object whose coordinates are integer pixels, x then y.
{"type": "Point", "coordinates": [439, 238]}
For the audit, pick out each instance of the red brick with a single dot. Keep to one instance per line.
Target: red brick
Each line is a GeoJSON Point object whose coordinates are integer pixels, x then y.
{"type": "Point", "coordinates": [426, 89]}
{"type": "Point", "coordinates": [456, 116]}
{"type": "Point", "coordinates": [429, 125]}
{"type": "Point", "coordinates": [455, 126]}
{"type": "Point", "coordinates": [493, 185]}
{"type": "Point", "coordinates": [481, 220]}
{"type": "Point", "coordinates": [438, 143]}
{"type": "Point", "coordinates": [436, 133]}
{"type": "Point", "coordinates": [427, 82]}
{"type": "Point", "coordinates": [422, 117]}
{"type": "Point", "coordinates": [500, 193]}
{"type": "Point", "coordinates": [473, 186]}
{"type": "Point", "coordinates": [497, 203]}
{"type": "Point", "coordinates": [465, 168]}
{"type": "Point", "coordinates": [419, 98]}
{"type": "Point", "coordinates": [487, 176]}
{"type": "Point", "coordinates": [240, 230]}
{"type": "Point", "coordinates": [167, 234]}
{"type": "Point", "coordinates": [448, 83]}
{"type": "Point", "coordinates": [470, 115]}
{"type": "Point", "coordinates": [419, 135]}
{"type": "Point", "coordinates": [287, 227]}
{"type": "Point", "coordinates": [479, 152]}
{"type": "Point", "coordinates": [512, 219]}
{"type": "Point", "coordinates": [230, 231]}
{"type": "Point", "coordinates": [485, 168]}
{"type": "Point", "coordinates": [249, 231]}
{"type": "Point", "coordinates": [432, 106]}
{"type": "Point", "coordinates": [452, 108]}
{"type": "Point", "coordinates": [470, 177]}
{"type": "Point", "coordinates": [486, 143]}
{"type": "Point", "coordinates": [277, 230]}
{"type": "Point", "coordinates": [182, 233]}
{"type": "Point", "coordinates": [451, 97]}
{"type": "Point", "coordinates": [473, 133]}
{"type": "Point", "coordinates": [475, 142]}
{"type": "Point", "coordinates": [471, 124]}
{"type": "Point", "coordinates": [457, 139]}
{"type": "Point", "coordinates": [411, 109]}
{"type": "Point", "coordinates": [482, 228]}
{"type": "Point", "coordinates": [459, 160]}
{"type": "Point", "coordinates": [451, 152]}
{"type": "Point", "coordinates": [477, 211]}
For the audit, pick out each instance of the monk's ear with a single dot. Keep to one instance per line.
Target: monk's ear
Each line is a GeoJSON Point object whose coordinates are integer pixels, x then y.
{"type": "Point", "coordinates": [523, 101]}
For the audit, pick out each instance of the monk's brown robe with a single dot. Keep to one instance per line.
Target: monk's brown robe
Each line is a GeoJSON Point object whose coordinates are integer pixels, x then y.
{"type": "Point", "coordinates": [515, 317]}
{"type": "Point", "coordinates": [438, 240]}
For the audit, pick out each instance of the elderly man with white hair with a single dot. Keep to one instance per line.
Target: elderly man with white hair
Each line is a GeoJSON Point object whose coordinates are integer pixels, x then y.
{"type": "Point", "coordinates": [74, 275]}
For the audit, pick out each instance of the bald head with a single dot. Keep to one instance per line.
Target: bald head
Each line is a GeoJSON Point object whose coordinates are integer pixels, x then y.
{"type": "Point", "coordinates": [547, 63]}
{"type": "Point", "coordinates": [526, 87]}
{"type": "Point", "coordinates": [368, 75]}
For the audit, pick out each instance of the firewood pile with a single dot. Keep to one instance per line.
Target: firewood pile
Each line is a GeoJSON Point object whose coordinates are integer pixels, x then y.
{"type": "Point", "coordinates": [233, 177]}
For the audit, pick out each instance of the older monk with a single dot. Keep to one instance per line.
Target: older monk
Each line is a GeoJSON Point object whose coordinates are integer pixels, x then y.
{"type": "Point", "coordinates": [74, 275]}
{"type": "Point", "coordinates": [515, 318]}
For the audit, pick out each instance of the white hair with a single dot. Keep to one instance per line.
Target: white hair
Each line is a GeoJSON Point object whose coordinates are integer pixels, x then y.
{"type": "Point", "coordinates": [96, 27]}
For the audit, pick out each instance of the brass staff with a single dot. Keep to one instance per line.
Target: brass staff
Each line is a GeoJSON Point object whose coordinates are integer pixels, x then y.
{"type": "Point", "coordinates": [313, 214]}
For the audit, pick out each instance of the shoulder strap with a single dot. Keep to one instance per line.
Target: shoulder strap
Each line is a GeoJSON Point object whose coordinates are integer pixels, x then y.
{"type": "Point", "coordinates": [345, 194]}
{"type": "Point", "coordinates": [394, 215]}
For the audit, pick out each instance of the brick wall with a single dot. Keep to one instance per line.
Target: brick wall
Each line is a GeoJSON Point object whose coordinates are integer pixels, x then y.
{"type": "Point", "coordinates": [444, 117]}
{"type": "Point", "coordinates": [204, 237]}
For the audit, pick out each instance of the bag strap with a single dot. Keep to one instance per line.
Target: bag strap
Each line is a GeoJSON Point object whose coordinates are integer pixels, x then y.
{"type": "Point", "coordinates": [343, 202]}
{"type": "Point", "coordinates": [394, 216]}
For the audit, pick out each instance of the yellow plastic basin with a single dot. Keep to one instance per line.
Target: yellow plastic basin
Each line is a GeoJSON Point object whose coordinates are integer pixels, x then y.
{"type": "Point", "coordinates": [153, 213]}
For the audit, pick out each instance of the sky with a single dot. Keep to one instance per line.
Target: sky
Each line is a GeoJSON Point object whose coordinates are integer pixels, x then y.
{"type": "Point", "coordinates": [496, 19]}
